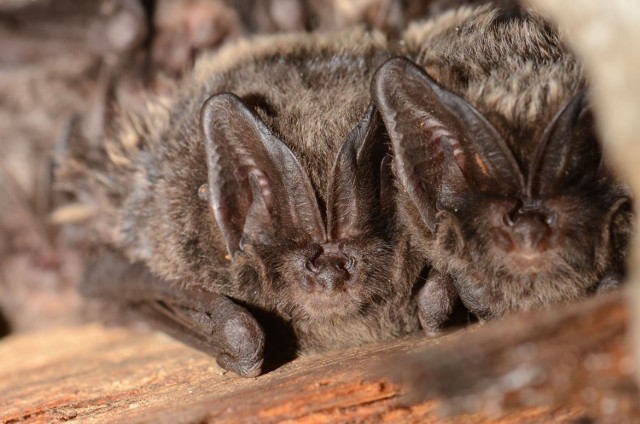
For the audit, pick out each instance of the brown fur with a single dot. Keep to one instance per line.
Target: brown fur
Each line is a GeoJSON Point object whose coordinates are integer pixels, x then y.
{"type": "Point", "coordinates": [310, 91]}
{"type": "Point", "coordinates": [518, 73]}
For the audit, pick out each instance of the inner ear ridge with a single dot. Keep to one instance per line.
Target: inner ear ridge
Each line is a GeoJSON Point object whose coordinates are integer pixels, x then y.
{"type": "Point", "coordinates": [302, 202]}
{"type": "Point", "coordinates": [392, 107]}
{"type": "Point", "coordinates": [354, 181]}
{"type": "Point", "coordinates": [420, 116]}
{"type": "Point", "coordinates": [246, 148]}
{"type": "Point", "coordinates": [337, 212]}
{"type": "Point", "coordinates": [480, 142]}
{"type": "Point", "coordinates": [343, 175]}
{"type": "Point", "coordinates": [468, 122]}
{"type": "Point", "coordinates": [259, 214]}
{"type": "Point", "coordinates": [558, 132]}
{"type": "Point", "coordinates": [224, 175]}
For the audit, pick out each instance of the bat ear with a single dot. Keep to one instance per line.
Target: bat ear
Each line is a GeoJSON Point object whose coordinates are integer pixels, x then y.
{"type": "Point", "coordinates": [359, 180]}
{"type": "Point", "coordinates": [256, 185]}
{"type": "Point", "coordinates": [442, 145]}
{"type": "Point", "coordinates": [569, 151]}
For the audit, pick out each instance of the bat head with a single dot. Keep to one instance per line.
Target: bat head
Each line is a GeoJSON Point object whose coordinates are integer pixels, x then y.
{"type": "Point", "coordinates": [314, 262]}
{"type": "Point", "coordinates": [549, 227]}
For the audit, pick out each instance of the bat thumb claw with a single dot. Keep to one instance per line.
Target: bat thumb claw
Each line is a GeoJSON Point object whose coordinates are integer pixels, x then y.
{"type": "Point", "coordinates": [244, 350]}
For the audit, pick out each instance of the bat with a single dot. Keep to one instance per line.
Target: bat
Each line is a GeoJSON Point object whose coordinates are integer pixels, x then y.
{"type": "Point", "coordinates": [253, 210]}
{"type": "Point", "coordinates": [502, 183]}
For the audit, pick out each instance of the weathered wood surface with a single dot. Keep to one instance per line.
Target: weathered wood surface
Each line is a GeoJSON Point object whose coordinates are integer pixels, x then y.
{"type": "Point", "coordinates": [571, 355]}
{"type": "Point", "coordinates": [92, 374]}
{"type": "Point", "coordinates": [95, 375]}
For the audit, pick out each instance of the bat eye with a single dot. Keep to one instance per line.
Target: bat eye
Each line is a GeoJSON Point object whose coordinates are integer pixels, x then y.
{"type": "Point", "coordinates": [203, 192]}
{"type": "Point", "coordinates": [551, 218]}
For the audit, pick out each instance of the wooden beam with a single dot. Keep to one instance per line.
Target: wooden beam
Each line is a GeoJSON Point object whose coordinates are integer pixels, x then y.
{"type": "Point", "coordinates": [575, 355]}
{"type": "Point", "coordinates": [90, 372]}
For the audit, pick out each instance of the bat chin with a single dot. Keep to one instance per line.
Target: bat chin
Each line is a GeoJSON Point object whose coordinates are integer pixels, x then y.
{"type": "Point", "coordinates": [323, 306]}
{"type": "Point", "coordinates": [527, 261]}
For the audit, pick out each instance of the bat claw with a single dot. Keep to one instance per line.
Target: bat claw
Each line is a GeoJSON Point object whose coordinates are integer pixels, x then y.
{"type": "Point", "coordinates": [436, 300]}
{"type": "Point", "coordinates": [432, 334]}
{"type": "Point", "coordinates": [244, 368]}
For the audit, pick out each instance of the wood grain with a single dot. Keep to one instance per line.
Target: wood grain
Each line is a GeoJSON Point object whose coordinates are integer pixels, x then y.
{"type": "Point", "coordinates": [94, 374]}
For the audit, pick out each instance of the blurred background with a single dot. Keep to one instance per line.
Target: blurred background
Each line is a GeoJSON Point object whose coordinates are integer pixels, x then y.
{"type": "Point", "coordinates": [64, 64]}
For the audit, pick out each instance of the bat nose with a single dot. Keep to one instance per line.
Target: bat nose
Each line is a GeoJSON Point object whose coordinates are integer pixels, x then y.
{"type": "Point", "coordinates": [330, 269]}
{"type": "Point", "coordinates": [529, 231]}
{"type": "Point", "coordinates": [332, 276]}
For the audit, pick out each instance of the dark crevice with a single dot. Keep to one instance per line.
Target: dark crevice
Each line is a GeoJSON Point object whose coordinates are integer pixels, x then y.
{"type": "Point", "coordinates": [5, 327]}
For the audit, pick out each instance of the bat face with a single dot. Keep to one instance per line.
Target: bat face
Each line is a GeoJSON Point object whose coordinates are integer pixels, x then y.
{"type": "Point", "coordinates": [556, 235]}
{"type": "Point", "coordinates": [514, 232]}
{"type": "Point", "coordinates": [511, 258]}
{"type": "Point", "coordinates": [335, 279]}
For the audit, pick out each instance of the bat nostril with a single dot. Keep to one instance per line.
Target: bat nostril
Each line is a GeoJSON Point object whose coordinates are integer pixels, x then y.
{"type": "Point", "coordinates": [529, 231]}
{"type": "Point", "coordinates": [333, 278]}
{"type": "Point", "coordinates": [350, 263]}
{"type": "Point", "coordinates": [330, 269]}
{"type": "Point", "coordinates": [550, 218]}
{"type": "Point", "coordinates": [342, 264]}
{"type": "Point", "coordinates": [310, 266]}
{"type": "Point", "coordinates": [327, 275]}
